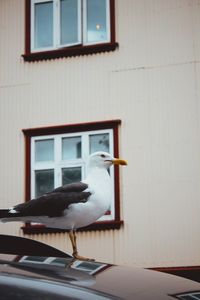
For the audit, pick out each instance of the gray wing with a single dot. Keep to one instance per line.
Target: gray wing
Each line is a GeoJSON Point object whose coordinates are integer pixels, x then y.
{"type": "Point", "coordinates": [53, 204]}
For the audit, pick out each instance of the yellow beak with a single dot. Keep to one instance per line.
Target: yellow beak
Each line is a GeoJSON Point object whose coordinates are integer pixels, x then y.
{"type": "Point", "coordinates": [118, 161]}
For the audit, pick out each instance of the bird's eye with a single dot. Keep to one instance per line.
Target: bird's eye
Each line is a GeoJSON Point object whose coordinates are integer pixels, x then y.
{"type": "Point", "coordinates": [103, 156]}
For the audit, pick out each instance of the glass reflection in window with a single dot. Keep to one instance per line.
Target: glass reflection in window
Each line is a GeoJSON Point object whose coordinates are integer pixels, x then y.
{"type": "Point", "coordinates": [44, 150]}
{"type": "Point", "coordinates": [71, 147]}
{"type": "Point", "coordinates": [69, 21]}
{"type": "Point", "coordinates": [99, 142]}
{"type": "Point", "coordinates": [44, 182]}
{"type": "Point", "coordinates": [96, 21]}
{"type": "Point", "coordinates": [43, 27]}
{"type": "Point", "coordinates": [70, 175]}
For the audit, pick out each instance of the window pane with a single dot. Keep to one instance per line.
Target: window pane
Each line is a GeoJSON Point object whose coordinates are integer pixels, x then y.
{"type": "Point", "coordinates": [70, 175]}
{"type": "Point", "coordinates": [60, 262]}
{"type": "Point", "coordinates": [99, 142]}
{"type": "Point", "coordinates": [71, 148]}
{"type": "Point", "coordinates": [96, 21]}
{"type": "Point", "coordinates": [44, 182]}
{"type": "Point", "coordinates": [69, 21]}
{"type": "Point", "coordinates": [35, 258]}
{"type": "Point", "coordinates": [187, 297]}
{"type": "Point", "coordinates": [44, 150]}
{"type": "Point", "coordinates": [43, 24]}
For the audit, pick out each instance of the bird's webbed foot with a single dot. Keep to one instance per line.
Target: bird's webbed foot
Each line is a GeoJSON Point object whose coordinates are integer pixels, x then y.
{"type": "Point", "coordinates": [79, 257]}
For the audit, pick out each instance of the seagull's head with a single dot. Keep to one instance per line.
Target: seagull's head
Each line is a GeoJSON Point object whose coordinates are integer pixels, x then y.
{"type": "Point", "coordinates": [104, 160]}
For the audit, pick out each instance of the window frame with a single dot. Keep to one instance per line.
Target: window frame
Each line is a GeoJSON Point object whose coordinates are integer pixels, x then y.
{"type": "Point", "coordinates": [77, 49]}
{"type": "Point", "coordinates": [30, 133]}
{"type": "Point", "coordinates": [58, 164]}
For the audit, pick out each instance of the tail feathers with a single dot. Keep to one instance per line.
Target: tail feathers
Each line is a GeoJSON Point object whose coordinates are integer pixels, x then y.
{"type": "Point", "coordinates": [4, 213]}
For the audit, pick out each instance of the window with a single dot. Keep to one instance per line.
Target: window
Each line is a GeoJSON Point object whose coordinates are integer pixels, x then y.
{"type": "Point", "coordinates": [60, 23]}
{"type": "Point", "coordinates": [91, 267]}
{"type": "Point", "coordinates": [60, 159]}
{"type": "Point", "coordinates": [57, 28]}
{"type": "Point", "coordinates": [57, 155]}
{"type": "Point", "coordinates": [188, 296]}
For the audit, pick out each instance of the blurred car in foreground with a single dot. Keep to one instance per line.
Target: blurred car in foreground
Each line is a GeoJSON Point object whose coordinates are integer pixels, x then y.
{"type": "Point", "coordinates": [32, 270]}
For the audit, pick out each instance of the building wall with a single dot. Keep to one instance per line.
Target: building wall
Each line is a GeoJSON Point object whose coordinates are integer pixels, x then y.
{"type": "Point", "coordinates": [151, 83]}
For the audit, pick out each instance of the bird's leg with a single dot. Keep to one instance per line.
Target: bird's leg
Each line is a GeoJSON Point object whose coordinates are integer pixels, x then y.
{"type": "Point", "coordinates": [72, 235]}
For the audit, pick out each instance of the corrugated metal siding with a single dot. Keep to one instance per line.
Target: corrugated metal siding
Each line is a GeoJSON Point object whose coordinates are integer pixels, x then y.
{"type": "Point", "coordinates": [152, 84]}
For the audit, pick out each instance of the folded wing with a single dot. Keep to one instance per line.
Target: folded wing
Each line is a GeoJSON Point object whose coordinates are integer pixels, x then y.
{"type": "Point", "coordinates": [51, 204]}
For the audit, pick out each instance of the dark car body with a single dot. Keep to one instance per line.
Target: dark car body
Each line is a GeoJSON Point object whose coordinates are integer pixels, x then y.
{"type": "Point", "coordinates": [32, 270]}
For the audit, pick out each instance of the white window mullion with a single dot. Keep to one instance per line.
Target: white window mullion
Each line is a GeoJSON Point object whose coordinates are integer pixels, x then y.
{"type": "Point", "coordinates": [32, 25]}
{"type": "Point", "coordinates": [111, 142]}
{"type": "Point", "coordinates": [84, 21]}
{"type": "Point", "coordinates": [32, 169]}
{"type": "Point", "coordinates": [44, 166]}
{"type": "Point", "coordinates": [85, 145]}
{"type": "Point", "coordinates": [56, 23]}
{"type": "Point", "coordinates": [80, 21]}
{"type": "Point", "coordinates": [111, 150]}
{"type": "Point", "coordinates": [57, 159]}
{"type": "Point", "coordinates": [108, 20]}
{"type": "Point", "coordinates": [85, 152]}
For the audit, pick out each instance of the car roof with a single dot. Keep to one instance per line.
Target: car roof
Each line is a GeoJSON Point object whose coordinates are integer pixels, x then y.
{"type": "Point", "coordinates": [24, 246]}
{"type": "Point", "coordinates": [43, 273]}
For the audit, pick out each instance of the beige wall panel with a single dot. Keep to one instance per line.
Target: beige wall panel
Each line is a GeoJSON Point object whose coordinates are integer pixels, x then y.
{"type": "Point", "coordinates": [196, 28]}
{"type": "Point", "coordinates": [12, 69]}
{"type": "Point", "coordinates": [163, 154]}
{"type": "Point", "coordinates": [155, 32]}
{"type": "Point", "coordinates": [197, 72]}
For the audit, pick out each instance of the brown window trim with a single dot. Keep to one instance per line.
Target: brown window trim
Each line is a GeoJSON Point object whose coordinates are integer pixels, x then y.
{"type": "Point", "coordinates": [67, 51]}
{"type": "Point", "coordinates": [72, 128]}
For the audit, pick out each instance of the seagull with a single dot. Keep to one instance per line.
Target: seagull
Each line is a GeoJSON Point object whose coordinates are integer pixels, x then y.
{"type": "Point", "coordinates": [73, 205]}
